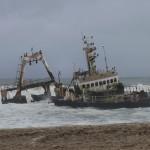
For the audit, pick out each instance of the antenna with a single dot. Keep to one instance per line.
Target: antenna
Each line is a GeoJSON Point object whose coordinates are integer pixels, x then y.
{"type": "Point", "coordinates": [59, 74]}
{"type": "Point", "coordinates": [105, 58]}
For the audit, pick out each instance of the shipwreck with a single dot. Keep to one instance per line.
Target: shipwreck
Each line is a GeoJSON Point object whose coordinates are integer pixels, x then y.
{"type": "Point", "coordinates": [21, 84]}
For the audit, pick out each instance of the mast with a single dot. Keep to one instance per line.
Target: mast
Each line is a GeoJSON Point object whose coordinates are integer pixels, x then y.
{"type": "Point", "coordinates": [105, 58]}
{"type": "Point", "coordinates": [90, 54]}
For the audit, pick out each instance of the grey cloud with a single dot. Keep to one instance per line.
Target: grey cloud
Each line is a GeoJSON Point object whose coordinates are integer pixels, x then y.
{"type": "Point", "coordinates": [55, 26]}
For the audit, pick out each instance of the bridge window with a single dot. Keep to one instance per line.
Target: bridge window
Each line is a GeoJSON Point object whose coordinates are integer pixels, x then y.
{"type": "Point", "coordinates": [107, 81]}
{"type": "Point", "coordinates": [111, 80]}
{"type": "Point", "coordinates": [100, 83]}
{"type": "Point", "coordinates": [96, 83]}
{"type": "Point", "coordinates": [115, 80]}
{"type": "Point", "coordinates": [92, 84]}
{"type": "Point", "coordinates": [104, 82]}
{"type": "Point", "coordinates": [88, 85]}
{"type": "Point", "coordinates": [83, 86]}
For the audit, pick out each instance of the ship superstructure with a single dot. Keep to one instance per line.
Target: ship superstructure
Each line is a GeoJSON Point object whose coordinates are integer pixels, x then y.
{"type": "Point", "coordinates": [93, 79]}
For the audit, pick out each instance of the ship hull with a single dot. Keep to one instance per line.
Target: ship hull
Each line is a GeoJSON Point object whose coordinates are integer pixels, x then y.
{"type": "Point", "coordinates": [80, 103]}
{"type": "Point", "coordinates": [16, 100]}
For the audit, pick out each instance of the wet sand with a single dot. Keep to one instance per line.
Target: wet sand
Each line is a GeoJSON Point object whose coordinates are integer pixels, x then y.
{"type": "Point", "coordinates": [114, 137]}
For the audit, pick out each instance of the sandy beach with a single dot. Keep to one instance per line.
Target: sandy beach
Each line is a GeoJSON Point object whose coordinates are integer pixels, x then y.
{"type": "Point", "coordinates": [116, 136]}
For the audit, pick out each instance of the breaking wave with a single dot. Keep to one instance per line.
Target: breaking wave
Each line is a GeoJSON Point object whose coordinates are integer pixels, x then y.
{"type": "Point", "coordinates": [43, 114]}
{"type": "Point", "coordinates": [28, 92]}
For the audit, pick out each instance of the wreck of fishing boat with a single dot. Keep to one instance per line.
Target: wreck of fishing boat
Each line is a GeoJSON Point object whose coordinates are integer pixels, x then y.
{"type": "Point", "coordinates": [21, 84]}
{"type": "Point", "coordinates": [95, 88]}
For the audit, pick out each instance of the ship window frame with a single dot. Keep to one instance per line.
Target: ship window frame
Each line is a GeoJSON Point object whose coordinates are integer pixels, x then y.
{"type": "Point", "coordinates": [96, 83]}
{"type": "Point", "coordinates": [107, 81]}
{"type": "Point", "coordinates": [92, 84]}
{"type": "Point", "coordinates": [83, 86]}
{"type": "Point", "coordinates": [88, 85]}
{"type": "Point", "coordinates": [100, 83]}
{"type": "Point", "coordinates": [111, 80]}
{"type": "Point", "coordinates": [104, 82]}
{"type": "Point", "coordinates": [115, 79]}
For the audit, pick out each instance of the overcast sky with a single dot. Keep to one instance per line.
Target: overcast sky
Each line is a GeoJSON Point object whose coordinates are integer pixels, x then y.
{"type": "Point", "coordinates": [55, 27]}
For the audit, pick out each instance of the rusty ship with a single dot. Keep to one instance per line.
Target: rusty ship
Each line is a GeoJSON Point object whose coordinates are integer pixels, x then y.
{"type": "Point", "coordinates": [95, 88]}
{"type": "Point", "coordinates": [21, 84]}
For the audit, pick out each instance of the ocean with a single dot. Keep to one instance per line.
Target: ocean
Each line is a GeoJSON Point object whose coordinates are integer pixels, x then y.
{"type": "Point", "coordinates": [45, 114]}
